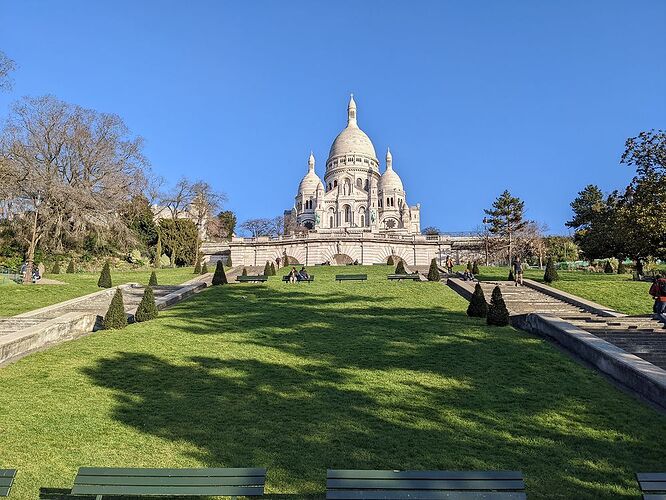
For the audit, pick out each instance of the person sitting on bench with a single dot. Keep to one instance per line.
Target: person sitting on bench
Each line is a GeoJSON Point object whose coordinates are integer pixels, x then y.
{"type": "Point", "coordinates": [468, 276]}
{"type": "Point", "coordinates": [303, 274]}
{"type": "Point", "coordinates": [293, 275]}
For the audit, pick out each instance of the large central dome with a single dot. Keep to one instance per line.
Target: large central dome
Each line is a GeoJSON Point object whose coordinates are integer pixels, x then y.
{"type": "Point", "coordinates": [352, 140]}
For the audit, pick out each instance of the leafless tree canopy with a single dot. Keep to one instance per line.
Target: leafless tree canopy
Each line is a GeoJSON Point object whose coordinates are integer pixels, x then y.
{"type": "Point", "coordinates": [7, 66]}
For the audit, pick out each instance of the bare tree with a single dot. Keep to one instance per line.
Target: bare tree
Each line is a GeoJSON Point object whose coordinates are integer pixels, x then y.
{"type": "Point", "coordinates": [530, 241]}
{"type": "Point", "coordinates": [7, 66]}
{"type": "Point", "coordinates": [177, 200]}
{"type": "Point", "coordinates": [205, 201]}
{"type": "Point", "coordinates": [258, 227]}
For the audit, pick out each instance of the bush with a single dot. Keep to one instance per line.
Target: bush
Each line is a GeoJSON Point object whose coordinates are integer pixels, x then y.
{"type": "Point", "coordinates": [551, 274]}
{"type": "Point", "coordinates": [469, 266]}
{"type": "Point", "coordinates": [70, 267]}
{"type": "Point", "coordinates": [115, 317]}
{"type": "Point", "coordinates": [608, 267]}
{"type": "Point", "coordinates": [244, 273]}
{"type": "Point", "coordinates": [400, 268]}
{"type": "Point", "coordinates": [267, 269]}
{"type": "Point", "coordinates": [390, 261]}
{"type": "Point", "coordinates": [478, 307]}
{"type": "Point", "coordinates": [197, 267]}
{"type": "Point", "coordinates": [475, 268]}
{"type": "Point", "coordinates": [147, 309]}
{"type": "Point", "coordinates": [229, 263]}
{"type": "Point", "coordinates": [204, 268]}
{"type": "Point", "coordinates": [273, 269]}
{"type": "Point", "coordinates": [153, 279]}
{"type": "Point", "coordinates": [104, 280]}
{"type": "Point", "coordinates": [56, 267]}
{"type": "Point", "coordinates": [433, 272]}
{"type": "Point", "coordinates": [498, 314]}
{"type": "Point", "coordinates": [511, 276]}
{"type": "Point", "coordinates": [219, 278]}
{"type": "Point", "coordinates": [622, 268]}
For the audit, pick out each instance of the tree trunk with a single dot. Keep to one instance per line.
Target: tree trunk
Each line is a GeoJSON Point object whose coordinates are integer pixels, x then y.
{"type": "Point", "coordinates": [510, 248]}
{"type": "Point", "coordinates": [27, 277]}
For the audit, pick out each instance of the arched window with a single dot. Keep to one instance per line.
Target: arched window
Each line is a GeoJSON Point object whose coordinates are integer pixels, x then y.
{"type": "Point", "coordinates": [335, 183]}
{"type": "Point", "coordinates": [359, 183]}
{"type": "Point", "coordinates": [330, 220]}
{"type": "Point", "coordinates": [347, 210]}
{"type": "Point", "coordinates": [362, 220]}
{"type": "Point", "coordinates": [367, 184]}
{"type": "Point", "coordinates": [309, 224]}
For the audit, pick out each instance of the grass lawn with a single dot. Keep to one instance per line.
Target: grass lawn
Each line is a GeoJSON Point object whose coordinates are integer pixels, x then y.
{"type": "Point", "coordinates": [617, 291]}
{"type": "Point", "coordinates": [16, 299]}
{"type": "Point", "coordinates": [298, 378]}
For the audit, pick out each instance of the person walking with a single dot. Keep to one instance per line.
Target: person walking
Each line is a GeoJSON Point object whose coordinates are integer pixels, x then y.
{"type": "Point", "coordinates": [517, 271]}
{"type": "Point", "coordinates": [658, 292]}
{"type": "Point", "coordinates": [449, 264]}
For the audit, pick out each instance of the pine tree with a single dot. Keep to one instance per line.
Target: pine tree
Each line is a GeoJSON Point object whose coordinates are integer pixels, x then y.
{"type": "Point", "coordinates": [147, 309]}
{"type": "Point", "coordinates": [219, 278]}
{"type": "Point", "coordinates": [273, 272]}
{"type": "Point", "coordinates": [56, 267]}
{"type": "Point", "coordinates": [478, 307]}
{"type": "Point", "coordinates": [469, 266]}
{"type": "Point", "coordinates": [400, 268]}
{"type": "Point", "coordinates": [608, 268]}
{"type": "Point", "coordinates": [158, 251]}
{"type": "Point", "coordinates": [475, 268]}
{"type": "Point", "coordinates": [204, 268]}
{"type": "Point", "coordinates": [390, 261]}
{"type": "Point", "coordinates": [197, 267]}
{"type": "Point", "coordinates": [244, 273]}
{"type": "Point", "coordinates": [621, 268]}
{"type": "Point", "coordinates": [153, 279]}
{"type": "Point", "coordinates": [506, 218]}
{"type": "Point", "coordinates": [551, 273]}
{"type": "Point", "coordinates": [511, 276]}
{"type": "Point", "coordinates": [229, 263]}
{"type": "Point", "coordinates": [433, 272]}
{"type": "Point", "coordinates": [70, 267]}
{"type": "Point", "coordinates": [104, 280]}
{"type": "Point", "coordinates": [498, 314]}
{"type": "Point", "coordinates": [267, 269]}
{"type": "Point", "coordinates": [115, 317]}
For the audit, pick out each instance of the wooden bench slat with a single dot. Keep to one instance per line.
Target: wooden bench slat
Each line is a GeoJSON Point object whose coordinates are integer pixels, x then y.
{"type": "Point", "coordinates": [418, 474]}
{"type": "Point", "coordinates": [426, 484]}
{"type": "Point", "coordinates": [654, 497]}
{"type": "Point", "coordinates": [168, 490]}
{"type": "Point", "coordinates": [6, 482]}
{"type": "Point", "coordinates": [651, 476]}
{"type": "Point", "coordinates": [653, 486]}
{"type": "Point", "coordinates": [423, 495]}
{"type": "Point", "coordinates": [4, 491]}
{"type": "Point", "coordinates": [133, 471]}
{"type": "Point", "coordinates": [172, 480]}
{"type": "Point", "coordinates": [7, 472]}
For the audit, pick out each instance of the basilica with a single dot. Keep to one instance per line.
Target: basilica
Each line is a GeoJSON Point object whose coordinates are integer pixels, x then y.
{"type": "Point", "coordinates": [354, 195]}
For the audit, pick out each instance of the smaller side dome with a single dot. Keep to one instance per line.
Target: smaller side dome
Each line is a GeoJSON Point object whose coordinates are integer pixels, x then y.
{"type": "Point", "coordinates": [311, 182]}
{"type": "Point", "coordinates": [390, 180]}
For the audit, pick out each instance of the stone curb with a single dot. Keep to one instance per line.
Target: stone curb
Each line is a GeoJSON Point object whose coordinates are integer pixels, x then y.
{"type": "Point", "coordinates": [635, 373]}
{"type": "Point", "coordinates": [588, 305]}
{"type": "Point", "coordinates": [460, 287]}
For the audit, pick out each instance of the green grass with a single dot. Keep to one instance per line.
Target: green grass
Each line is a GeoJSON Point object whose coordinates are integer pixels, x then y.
{"type": "Point", "coordinates": [22, 298]}
{"type": "Point", "coordinates": [299, 378]}
{"type": "Point", "coordinates": [618, 292]}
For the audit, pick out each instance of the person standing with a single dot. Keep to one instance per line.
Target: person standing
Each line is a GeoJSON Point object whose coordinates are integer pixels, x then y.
{"type": "Point", "coordinates": [517, 271]}
{"type": "Point", "coordinates": [658, 292]}
{"type": "Point", "coordinates": [449, 264]}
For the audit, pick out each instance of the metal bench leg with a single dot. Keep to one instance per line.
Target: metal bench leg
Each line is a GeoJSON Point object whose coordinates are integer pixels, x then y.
{"type": "Point", "coordinates": [98, 497]}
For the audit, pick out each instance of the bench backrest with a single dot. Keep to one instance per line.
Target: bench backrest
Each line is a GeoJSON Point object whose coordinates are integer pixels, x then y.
{"type": "Point", "coordinates": [169, 482]}
{"type": "Point", "coordinates": [351, 276]}
{"type": "Point", "coordinates": [6, 480]}
{"type": "Point", "coordinates": [652, 484]}
{"type": "Point", "coordinates": [412, 276]}
{"type": "Point", "coordinates": [421, 485]}
{"type": "Point", "coordinates": [252, 278]}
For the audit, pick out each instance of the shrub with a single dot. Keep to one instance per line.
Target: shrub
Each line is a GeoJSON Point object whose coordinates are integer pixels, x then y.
{"type": "Point", "coordinates": [511, 276]}
{"type": "Point", "coordinates": [498, 314]}
{"type": "Point", "coordinates": [70, 267]}
{"type": "Point", "coordinates": [229, 263]}
{"type": "Point", "coordinates": [272, 269]}
{"type": "Point", "coordinates": [267, 269]}
{"type": "Point", "coordinates": [153, 279]}
{"type": "Point", "coordinates": [551, 274]}
{"type": "Point", "coordinates": [478, 307]}
{"type": "Point", "coordinates": [285, 261]}
{"type": "Point", "coordinates": [622, 268]}
{"type": "Point", "coordinates": [204, 268]}
{"type": "Point", "coordinates": [608, 267]}
{"type": "Point", "coordinates": [56, 267]}
{"type": "Point", "coordinates": [390, 261]}
{"type": "Point", "coordinates": [197, 267]}
{"type": "Point", "coordinates": [219, 278]}
{"type": "Point", "coordinates": [104, 280]}
{"type": "Point", "coordinates": [244, 273]}
{"type": "Point", "coordinates": [433, 272]}
{"type": "Point", "coordinates": [115, 317]}
{"type": "Point", "coordinates": [400, 268]}
{"type": "Point", "coordinates": [147, 309]}
{"type": "Point", "coordinates": [475, 268]}
{"type": "Point", "coordinates": [469, 266]}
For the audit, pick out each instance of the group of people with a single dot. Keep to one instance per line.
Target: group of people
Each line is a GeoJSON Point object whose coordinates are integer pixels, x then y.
{"type": "Point", "coordinates": [295, 275]}
{"type": "Point", "coordinates": [35, 272]}
{"type": "Point", "coordinates": [658, 292]}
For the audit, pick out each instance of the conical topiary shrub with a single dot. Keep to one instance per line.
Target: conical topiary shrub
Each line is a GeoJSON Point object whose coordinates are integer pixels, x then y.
{"type": "Point", "coordinates": [390, 261]}
{"type": "Point", "coordinates": [244, 273]}
{"type": "Point", "coordinates": [469, 266]}
{"type": "Point", "coordinates": [621, 268]}
{"type": "Point", "coordinates": [104, 280]}
{"type": "Point", "coordinates": [229, 263]}
{"type": "Point", "coordinates": [204, 268]}
{"type": "Point", "coordinates": [115, 317]}
{"type": "Point", "coordinates": [153, 279]}
{"type": "Point", "coordinates": [147, 309]}
{"type": "Point", "coordinates": [475, 268]}
{"type": "Point", "coordinates": [219, 278]}
{"type": "Point", "coordinates": [267, 269]}
{"type": "Point", "coordinates": [498, 314]}
{"type": "Point", "coordinates": [608, 268]}
{"type": "Point", "coordinates": [551, 273]}
{"type": "Point", "coordinates": [197, 267]}
{"type": "Point", "coordinates": [478, 307]}
{"type": "Point", "coordinates": [273, 269]}
{"type": "Point", "coordinates": [56, 267]}
{"type": "Point", "coordinates": [433, 272]}
{"type": "Point", "coordinates": [70, 267]}
{"type": "Point", "coordinates": [511, 276]}
{"type": "Point", "coordinates": [285, 261]}
{"type": "Point", "coordinates": [400, 268]}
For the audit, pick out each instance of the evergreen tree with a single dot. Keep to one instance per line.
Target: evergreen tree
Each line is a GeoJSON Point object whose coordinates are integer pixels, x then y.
{"type": "Point", "coordinates": [285, 261]}
{"type": "Point", "coordinates": [147, 309]}
{"type": "Point", "coordinates": [153, 279]}
{"type": "Point", "coordinates": [433, 272]}
{"type": "Point", "coordinates": [273, 272]}
{"type": "Point", "coordinates": [506, 217]}
{"type": "Point", "coordinates": [219, 278]}
{"type": "Point", "coordinates": [478, 307]}
{"type": "Point", "coordinates": [244, 273]}
{"type": "Point", "coordinates": [204, 268]}
{"type": "Point", "coordinates": [267, 269]}
{"type": "Point", "coordinates": [390, 261]}
{"type": "Point", "coordinates": [400, 268]}
{"type": "Point", "coordinates": [158, 251]}
{"type": "Point", "coordinates": [511, 276]}
{"type": "Point", "coordinates": [475, 268]}
{"type": "Point", "coordinates": [197, 267]}
{"type": "Point", "coordinates": [229, 263]}
{"type": "Point", "coordinates": [104, 280]}
{"type": "Point", "coordinates": [498, 314]}
{"type": "Point", "coordinates": [115, 317]}
{"type": "Point", "coordinates": [621, 268]}
{"type": "Point", "coordinates": [56, 267]}
{"type": "Point", "coordinates": [469, 266]}
{"type": "Point", "coordinates": [608, 268]}
{"type": "Point", "coordinates": [70, 267]}
{"type": "Point", "coordinates": [551, 273]}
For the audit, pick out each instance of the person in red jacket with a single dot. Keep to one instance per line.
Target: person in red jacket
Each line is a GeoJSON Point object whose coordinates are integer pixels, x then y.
{"type": "Point", "coordinates": [658, 292]}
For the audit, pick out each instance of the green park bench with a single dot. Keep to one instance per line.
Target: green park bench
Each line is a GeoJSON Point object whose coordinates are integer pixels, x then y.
{"type": "Point", "coordinates": [113, 481]}
{"type": "Point", "coordinates": [309, 280]}
{"type": "Point", "coordinates": [351, 277]}
{"type": "Point", "coordinates": [252, 279]}
{"type": "Point", "coordinates": [6, 480]}
{"type": "Point", "coordinates": [400, 277]}
{"type": "Point", "coordinates": [652, 485]}
{"type": "Point", "coordinates": [423, 485]}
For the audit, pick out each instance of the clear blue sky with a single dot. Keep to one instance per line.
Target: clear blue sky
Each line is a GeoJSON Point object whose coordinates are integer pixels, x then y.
{"type": "Point", "coordinates": [472, 97]}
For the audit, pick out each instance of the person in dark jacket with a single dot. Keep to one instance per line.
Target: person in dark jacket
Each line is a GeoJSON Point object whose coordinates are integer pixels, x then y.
{"type": "Point", "coordinates": [658, 292]}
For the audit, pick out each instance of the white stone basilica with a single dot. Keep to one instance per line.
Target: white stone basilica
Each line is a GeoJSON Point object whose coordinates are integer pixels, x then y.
{"type": "Point", "coordinates": [354, 195]}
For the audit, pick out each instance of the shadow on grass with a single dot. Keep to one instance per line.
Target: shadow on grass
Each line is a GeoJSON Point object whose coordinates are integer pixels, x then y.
{"type": "Point", "coordinates": [299, 383]}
